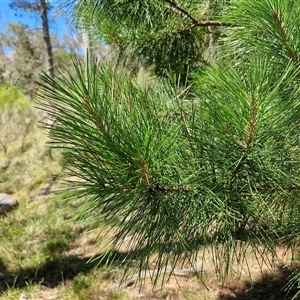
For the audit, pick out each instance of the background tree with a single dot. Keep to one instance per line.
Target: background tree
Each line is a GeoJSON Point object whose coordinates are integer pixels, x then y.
{"type": "Point", "coordinates": [173, 170]}
{"type": "Point", "coordinates": [41, 7]}
{"type": "Point", "coordinates": [25, 60]}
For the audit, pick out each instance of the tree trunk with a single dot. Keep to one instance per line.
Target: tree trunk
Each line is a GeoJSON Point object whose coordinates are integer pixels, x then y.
{"type": "Point", "coordinates": [46, 37]}
{"type": "Point", "coordinates": [86, 43]}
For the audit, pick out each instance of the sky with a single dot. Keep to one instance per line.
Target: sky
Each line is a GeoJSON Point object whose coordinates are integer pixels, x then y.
{"type": "Point", "coordinates": [58, 24]}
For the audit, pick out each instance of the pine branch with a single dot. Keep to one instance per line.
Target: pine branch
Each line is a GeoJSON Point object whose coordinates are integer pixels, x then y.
{"type": "Point", "coordinates": [250, 137]}
{"type": "Point", "coordinates": [252, 125]}
{"type": "Point", "coordinates": [233, 138]}
{"type": "Point", "coordinates": [195, 22]}
{"type": "Point", "coordinates": [292, 54]}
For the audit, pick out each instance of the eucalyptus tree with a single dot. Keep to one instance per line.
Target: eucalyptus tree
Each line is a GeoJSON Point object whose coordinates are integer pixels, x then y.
{"type": "Point", "coordinates": [41, 7]}
{"type": "Point", "coordinates": [21, 66]}
{"type": "Point", "coordinates": [27, 59]}
{"type": "Point", "coordinates": [172, 168]}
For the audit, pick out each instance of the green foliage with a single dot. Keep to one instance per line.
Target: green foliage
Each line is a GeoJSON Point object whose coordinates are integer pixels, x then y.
{"type": "Point", "coordinates": [272, 32]}
{"type": "Point", "coordinates": [171, 169]}
{"type": "Point", "coordinates": [147, 163]}
{"type": "Point", "coordinates": [23, 67]}
{"type": "Point", "coordinates": [12, 97]}
{"type": "Point", "coordinates": [16, 119]}
{"type": "Point", "coordinates": [80, 284]}
{"type": "Point", "coordinates": [167, 35]}
{"type": "Point", "coordinates": [132, 161]}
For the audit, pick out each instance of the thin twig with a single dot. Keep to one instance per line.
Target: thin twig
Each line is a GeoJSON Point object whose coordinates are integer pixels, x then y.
{"type": "Point", "coordinates": [292, 54]}
{"type": "Point", "coordinates": [196, 22]}
{"type": "Point", "coordinates": [183, 92]}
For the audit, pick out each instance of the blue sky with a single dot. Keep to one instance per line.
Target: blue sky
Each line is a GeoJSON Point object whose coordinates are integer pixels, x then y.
{"type": "Point", "coordinates": [58, 24]}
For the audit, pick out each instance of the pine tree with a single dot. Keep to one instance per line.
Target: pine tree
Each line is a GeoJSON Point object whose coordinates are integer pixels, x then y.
{"type": "Point", "coordinates": [214, 164]}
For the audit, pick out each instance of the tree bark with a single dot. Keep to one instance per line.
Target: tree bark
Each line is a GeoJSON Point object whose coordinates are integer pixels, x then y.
{"type": "Point", "coordinates": [46, 37]}
{"type": "Point", "coordinates": [86, 43]}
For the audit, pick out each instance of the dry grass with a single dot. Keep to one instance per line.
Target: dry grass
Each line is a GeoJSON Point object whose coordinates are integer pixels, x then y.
{"type": "Point", "coordinates": [45, 254]}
